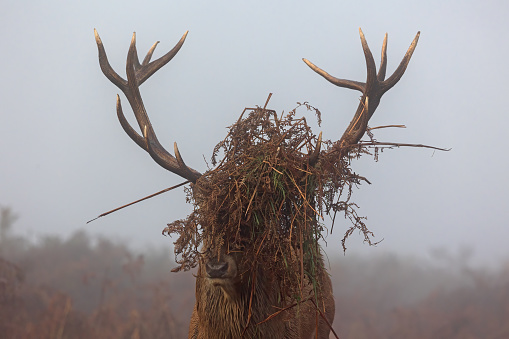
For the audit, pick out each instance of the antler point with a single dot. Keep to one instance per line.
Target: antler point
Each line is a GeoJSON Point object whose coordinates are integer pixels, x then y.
{"type": "Point", "coordinates": [309, 63]}
{"type": "Point", "coordinates": [97, 37]}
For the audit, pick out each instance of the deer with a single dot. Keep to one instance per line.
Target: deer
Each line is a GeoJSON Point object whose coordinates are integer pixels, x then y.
{"type": "Point", "coordinates": [226, 306]}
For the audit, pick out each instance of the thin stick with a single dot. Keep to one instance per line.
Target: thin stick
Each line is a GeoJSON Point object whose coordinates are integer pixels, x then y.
{"type": "Point", "coordinates": [377, 127]}
{"type": "Point", "coordinates": [267, 102]}
{"type": "Point", "coordinates": [288, 131]}
{"type": "Point", "coordinates": [137, 201]}
{"type": "Point", "coordinates": [324, 318]}
{"type": "Point", "coordinates": [282, 310]}
{"type": "Point", "coordinates": [368, 143]}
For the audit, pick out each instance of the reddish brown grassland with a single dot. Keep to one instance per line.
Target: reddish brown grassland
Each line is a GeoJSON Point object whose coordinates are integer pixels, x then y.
{"type": "Point", "coordinates": [97, 288]}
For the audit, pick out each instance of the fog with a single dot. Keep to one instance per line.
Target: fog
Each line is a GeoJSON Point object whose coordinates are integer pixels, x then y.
{"type": "Point", "coordinates": [93, 287]}
{"type": "Point", "coordinates": [65, 159]}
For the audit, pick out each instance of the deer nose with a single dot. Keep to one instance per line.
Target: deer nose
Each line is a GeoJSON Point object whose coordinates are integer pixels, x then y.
{"type": "Point", "coordinates": [216, 269]}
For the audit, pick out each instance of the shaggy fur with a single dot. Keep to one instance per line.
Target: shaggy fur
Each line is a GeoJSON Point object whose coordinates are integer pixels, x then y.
{"type": "Point", "coordinates": [222, 308]}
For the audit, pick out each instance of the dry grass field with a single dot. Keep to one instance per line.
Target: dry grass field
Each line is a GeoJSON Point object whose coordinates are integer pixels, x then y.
{"type": "Point", "coordinates": [96, 288]}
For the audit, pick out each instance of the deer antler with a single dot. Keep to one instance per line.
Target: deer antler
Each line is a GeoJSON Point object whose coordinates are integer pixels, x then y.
{"type": "Point", "coordinates": [372, 90]}
{"type": "Point", "coordinates": [136, 75]}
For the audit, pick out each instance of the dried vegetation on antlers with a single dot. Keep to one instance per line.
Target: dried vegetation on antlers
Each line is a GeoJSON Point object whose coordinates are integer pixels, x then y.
{"type": "Point", "coordinates": [268, 195]}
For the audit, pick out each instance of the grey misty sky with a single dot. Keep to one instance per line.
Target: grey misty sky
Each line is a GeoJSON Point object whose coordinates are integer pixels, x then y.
{"type": "Point", "coordinates": [65, 159]}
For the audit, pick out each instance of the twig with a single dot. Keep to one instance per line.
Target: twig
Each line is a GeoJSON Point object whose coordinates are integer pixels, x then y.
{"type": "Point", "coordinates": [386, 126]}
{"type": "Point", "coordinates": [283, 309]}
{"type": "Point", "coordinates": [324, 318]}
{"type": "Point", "coordinates": [137, 201]}
{"type": "Point", "coordinates": [396, 144]}
{"type": "Point", "coordinates": [267, 102]}
{"type": "Point", "coordinates": [294, 125]}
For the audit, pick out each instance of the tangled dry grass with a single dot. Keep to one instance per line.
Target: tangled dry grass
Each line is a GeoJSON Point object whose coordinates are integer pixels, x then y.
{"type": "Point", "coordinates": [268, 195]}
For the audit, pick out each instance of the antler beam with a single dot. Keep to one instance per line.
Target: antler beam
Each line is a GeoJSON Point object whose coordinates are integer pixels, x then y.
{"type": "Point", "coordinates": [372, 90]}
{"type": "Point", "coordinates": [136, 75]}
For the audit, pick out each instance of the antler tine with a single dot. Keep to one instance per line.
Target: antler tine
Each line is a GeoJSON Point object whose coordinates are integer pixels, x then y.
{"type": "Point", "coordinates": [135, 61]}
{"type": "Point", "coordinates": [138, 139]}
{"type": "Point", "coordinates": [178, 156]}
{"type": "Point", "coordinates": [150, 68]}
{"type": "Point", "coordinates": [106, 68]}
{"type": "Point", "coordinates": [133, 90]}
{"type": "Point", "coordinates": [336, 81]}
{"type": "Point", "coordinates": [149, 54]}
{"type": "Point", "coordinates": [398, 73]}
{"type": "Point", "coordinates": [370, 64]}
{"type": "Point", "coordinates": [136, 74]}
{"type": "Point", "coordinates": [383, 61]}
{"type": "Point", "coordinates": [372, 90]}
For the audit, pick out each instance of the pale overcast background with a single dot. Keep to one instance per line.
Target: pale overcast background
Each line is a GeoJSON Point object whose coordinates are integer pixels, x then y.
{"type": "Point", "coordinates": [65, 159]}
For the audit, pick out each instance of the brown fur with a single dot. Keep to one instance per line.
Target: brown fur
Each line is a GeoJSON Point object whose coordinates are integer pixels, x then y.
{"type": "Point", "coordinates": [222, 307]}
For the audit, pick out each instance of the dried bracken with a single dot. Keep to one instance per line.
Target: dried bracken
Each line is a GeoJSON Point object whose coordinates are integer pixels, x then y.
{"type": "Point", "coordinates": [267, 199]}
